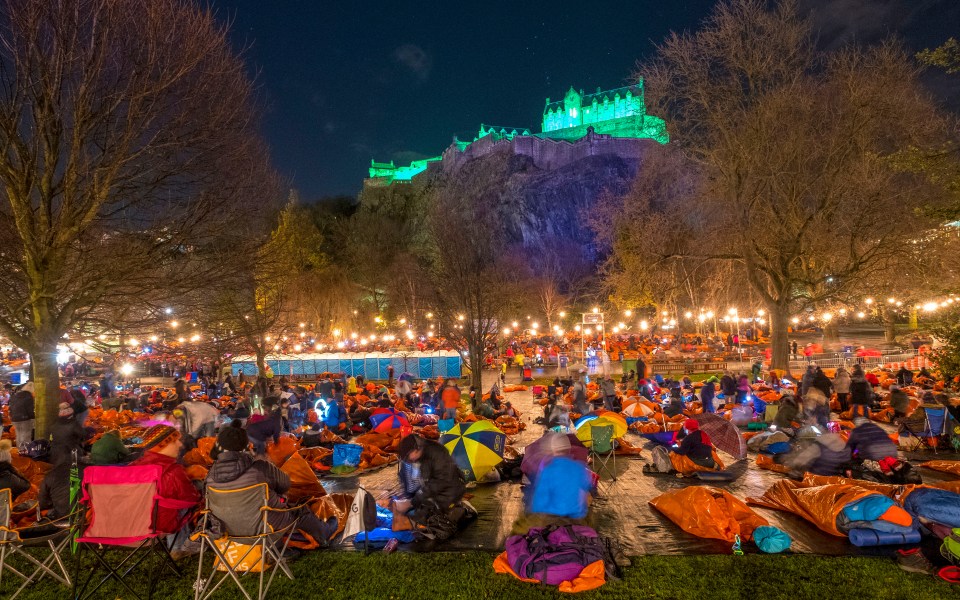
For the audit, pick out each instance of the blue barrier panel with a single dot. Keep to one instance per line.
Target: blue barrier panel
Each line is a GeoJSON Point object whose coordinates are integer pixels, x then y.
{"type": "Point", "coordinates": [439, 366]}
{"type": "Point", "coordinates": [343, 366]}
{"type": "Point", "coordinates": [356, 366]}
{"type": "Point", "coordinates": [453, 366]}
{"type": "Point", "coordinates": [382, 365]}
{"type": "Point", "coordinates": [425, 368]}
{"type": "Point", "coordinates": [370, 368]}
{"type": "Point", "coordinates": [298, 367]}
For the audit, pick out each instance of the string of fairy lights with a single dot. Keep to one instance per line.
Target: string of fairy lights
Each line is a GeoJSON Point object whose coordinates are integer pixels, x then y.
{"type": "Point", "coordinates": [565, 325]}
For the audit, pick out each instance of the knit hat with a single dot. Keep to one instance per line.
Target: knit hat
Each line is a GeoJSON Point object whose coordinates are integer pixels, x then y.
{"type": "Point", "coordinates": [233, 438]}
{"type": "Point", "coordinates": [159, 436]}
{"type": "Point", "coordinates": [5, 446]}
{"type": "Point", "coordinates": [691, 425]}
{"type": "Point", "coordinates": [65, 410]}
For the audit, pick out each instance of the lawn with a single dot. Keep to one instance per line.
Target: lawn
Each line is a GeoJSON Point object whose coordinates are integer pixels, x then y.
{"type": "Point", "coordinates": [350, 576]}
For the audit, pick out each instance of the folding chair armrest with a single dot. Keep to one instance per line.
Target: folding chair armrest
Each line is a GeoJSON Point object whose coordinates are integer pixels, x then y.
{"type": "Point", "coordinates": [283, 510]}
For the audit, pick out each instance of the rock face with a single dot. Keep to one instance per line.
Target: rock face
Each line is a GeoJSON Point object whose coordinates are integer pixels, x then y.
{"type": "Point", "coordinates": [541, 200]}
{"type": "Point", "coordinates": [544, 188]}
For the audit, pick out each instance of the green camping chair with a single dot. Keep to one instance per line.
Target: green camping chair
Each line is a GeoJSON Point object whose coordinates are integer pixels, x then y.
{"type": "Point", "coordinates": [601, 450]}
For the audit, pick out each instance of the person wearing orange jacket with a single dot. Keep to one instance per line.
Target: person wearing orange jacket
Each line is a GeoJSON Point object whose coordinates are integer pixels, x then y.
{"type": "Point", "coordinates": [450, 396]}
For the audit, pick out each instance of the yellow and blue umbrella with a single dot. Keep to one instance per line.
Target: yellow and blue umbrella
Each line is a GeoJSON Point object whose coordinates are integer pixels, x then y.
{"type": "Point", "coordinates": [585, 424]}
{"type": "Point", "coordinates": [476, 447]}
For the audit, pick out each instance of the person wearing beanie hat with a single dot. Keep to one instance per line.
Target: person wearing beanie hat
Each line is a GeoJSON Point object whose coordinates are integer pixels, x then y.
{"type": "Point", "coordinates": [108, 450]}
{"type": "Point", "coordinates": [9, 476]}
{"type": "Point", "coordinates": [66, 433]}
{"type": "Point", "coordinates": [235, 468]}
{"type": "Point", "coordinates": [162, 446]}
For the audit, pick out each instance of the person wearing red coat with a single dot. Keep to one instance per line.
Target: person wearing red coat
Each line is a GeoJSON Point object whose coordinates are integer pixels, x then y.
{"type": "Point", "coordinates": [163, 445]}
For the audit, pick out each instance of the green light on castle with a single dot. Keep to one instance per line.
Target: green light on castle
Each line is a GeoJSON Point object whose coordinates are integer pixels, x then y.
{"type": "Point", "coordinates": [617, 113]}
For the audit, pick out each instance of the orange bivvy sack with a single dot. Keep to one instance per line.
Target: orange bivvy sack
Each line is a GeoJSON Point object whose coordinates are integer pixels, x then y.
{"type": "Point", "coordinates": [818, 504]}
{"type": "Point", "coordinates": [709, 512]}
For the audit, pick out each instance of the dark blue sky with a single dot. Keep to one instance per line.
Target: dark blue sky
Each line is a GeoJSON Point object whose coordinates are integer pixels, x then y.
{"type": "Point", "coordinates": [344, 82]}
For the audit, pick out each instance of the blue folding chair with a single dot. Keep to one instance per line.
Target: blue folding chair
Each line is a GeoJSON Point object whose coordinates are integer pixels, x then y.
{"type": "Point", "coordinates": [934, 426]}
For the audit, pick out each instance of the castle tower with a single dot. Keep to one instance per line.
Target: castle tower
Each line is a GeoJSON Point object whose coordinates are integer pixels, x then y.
{"type": "Point", "coordinates": [573, 107]}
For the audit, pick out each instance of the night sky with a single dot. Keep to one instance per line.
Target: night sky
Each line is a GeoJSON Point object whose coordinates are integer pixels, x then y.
{"type": "Point", "coordinates": [344, 82]}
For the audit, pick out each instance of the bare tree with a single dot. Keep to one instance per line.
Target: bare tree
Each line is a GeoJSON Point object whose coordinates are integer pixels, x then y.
{"type": "Point", "coordinates": [120, 155]}
{"type": "Point", "coordinates": [783, 157]}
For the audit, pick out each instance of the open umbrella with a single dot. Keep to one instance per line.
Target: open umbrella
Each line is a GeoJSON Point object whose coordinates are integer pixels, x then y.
{"type": "Point", "coordinates": [724, 434]}
{"type": "Point", "coordinates": [585, 424]}
{"type": "Point", "coordinates": [385, 419]}
{"type": "Point", "coordinates": [637, 410]}
{"type": "Point", "coordinates": [476, 447]}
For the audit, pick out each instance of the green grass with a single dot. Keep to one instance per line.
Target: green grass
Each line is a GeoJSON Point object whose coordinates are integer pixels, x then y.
{"type": "Point", "coordinates": [346, 575]}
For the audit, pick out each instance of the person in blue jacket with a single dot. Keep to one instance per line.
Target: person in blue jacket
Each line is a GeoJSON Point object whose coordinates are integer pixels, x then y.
{"type": "Point", "coordinates": [563, 486]}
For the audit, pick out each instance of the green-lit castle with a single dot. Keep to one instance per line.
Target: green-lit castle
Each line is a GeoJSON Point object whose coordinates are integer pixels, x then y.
{"type": "Point", "coordinates": [606, 122]}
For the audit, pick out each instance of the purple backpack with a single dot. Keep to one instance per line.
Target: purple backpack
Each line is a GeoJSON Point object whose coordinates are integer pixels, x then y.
{"type": "Point", "coordinates": [554, 554]}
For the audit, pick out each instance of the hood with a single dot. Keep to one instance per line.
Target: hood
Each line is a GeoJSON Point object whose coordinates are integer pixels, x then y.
{"type": "Point", "coordinates": [230, 465]}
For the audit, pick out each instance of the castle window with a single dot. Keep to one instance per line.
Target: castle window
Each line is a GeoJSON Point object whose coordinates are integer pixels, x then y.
{"type": "Point", "coordinates": [573, 113]}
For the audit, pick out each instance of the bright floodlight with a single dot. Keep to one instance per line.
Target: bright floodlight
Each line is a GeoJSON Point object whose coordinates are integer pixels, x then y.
{"type": "Point", "coordinates": [126, 369]}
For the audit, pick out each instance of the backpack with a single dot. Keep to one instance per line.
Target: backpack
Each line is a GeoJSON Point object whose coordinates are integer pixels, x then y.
{"type": "Point", "coordinates": [950, 549]}
{"type": "Point", "coordinates": [554, 554]}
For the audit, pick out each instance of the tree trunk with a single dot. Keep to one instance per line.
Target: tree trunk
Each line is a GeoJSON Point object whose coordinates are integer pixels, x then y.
{"type": "Point", "coordinates": [779, 340]}
{"type": "Point", "coordinates": [46, 389]}
{"type": "Point", "coordinates": [261, 362]}
{"type": "Point", "coordinates": [831, 334]}
{"type": "Point", "coordinates": [476, 375]}
{"type": "Point", "coordinates": [889, 325]}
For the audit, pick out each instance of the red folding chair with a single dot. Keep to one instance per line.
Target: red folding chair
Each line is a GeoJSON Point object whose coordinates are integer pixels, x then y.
{"type": "Point", "coordinates": [121, 506]}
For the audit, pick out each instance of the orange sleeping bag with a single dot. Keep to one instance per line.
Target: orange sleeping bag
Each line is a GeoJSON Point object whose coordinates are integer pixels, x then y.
{"type": "Point", "coordinates": [708, 512]}
{"type": "Point", "coordinates": [947, 466]}
{"type": "Point", "coordinates": [818, 504]}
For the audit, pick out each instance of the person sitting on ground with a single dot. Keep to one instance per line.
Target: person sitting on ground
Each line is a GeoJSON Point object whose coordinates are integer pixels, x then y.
{"type": "Point", "coordinates": [951, 404]}
{"type": "Point", "coordinates": [235, 468]}
{"type": "Point", "coordinates": [161, 446]}
{"type": "Point", "coordinates": [55, 489]}
{"type": "Point", "coordinates": [266, 427]}
{"type": "Point", "coordinates": [198, 418]}
{"type": "Point", "coordinates": [676, 403]}
{"type": "Point", "coordinates": [507, 410]}
{"type": "Point", "coordinates": [825, 454]}
{"type": "Point", "coordinates": [485, 409]}
{"type": "Point", "coordinates": [441, 484]}
{"type": "Point", "coordinates": [868, 441]}
{"type": "Point", "coordinates": [10, 478]}
{"type": "Point", "coordinates": [816, 408]}
{"type": "Point", "coordinates": [693, 453]}
{"type": "Point", "coordinates": [899, 402]}
{"type": "Point", "coordinates": [66, 434]}
{"type": "Point", "coordinates": [904, 376]}
{"type": "Point", "coordinates": [109, 450]}
{"type": "Point", "coordinates": [563, 485]}
{"type": "Point", "coordinates": [788, 412]}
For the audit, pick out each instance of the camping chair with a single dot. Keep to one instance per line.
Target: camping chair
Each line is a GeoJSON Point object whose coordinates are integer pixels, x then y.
{"type": "Point", "coordinates": [121, 507]}
{"type": "Point", "coordinates": [601, 450]}
{"type": "Point", "coordinates": [14, 543]}
{"type": "Point", "coordinates": [246, 543]}
{"type": "Point", "coordinates": [931, 424]}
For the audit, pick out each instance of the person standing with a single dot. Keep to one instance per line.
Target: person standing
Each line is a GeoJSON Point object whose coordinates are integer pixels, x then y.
{"type": "Point", "coordinates": [450, 396]}
{"type": "Point", "coordinates": [22, 413]}
{"type": "Point", "coordinates": [707, 392]}
{"type": "Point", "coordinates": [841, 385]}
